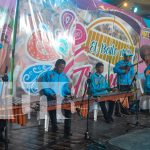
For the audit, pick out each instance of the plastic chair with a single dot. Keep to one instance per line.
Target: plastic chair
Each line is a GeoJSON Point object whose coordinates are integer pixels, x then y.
{"type": "Point", "coordinates": [144, 99]}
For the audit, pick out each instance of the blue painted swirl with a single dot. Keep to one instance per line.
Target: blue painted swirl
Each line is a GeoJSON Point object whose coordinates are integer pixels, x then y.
{"type": "Point", "coordinates": [29, 78]}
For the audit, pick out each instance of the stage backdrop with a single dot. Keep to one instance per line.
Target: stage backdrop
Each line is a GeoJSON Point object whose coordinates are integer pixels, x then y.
{"type": "Point", "coordinates": [81, 32]}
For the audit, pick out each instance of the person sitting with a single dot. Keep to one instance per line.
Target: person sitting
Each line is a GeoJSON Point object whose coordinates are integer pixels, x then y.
{"type": "Point", "coordinates": [145, 55]}
{"type": "Point", "coordinates": [99, 86]}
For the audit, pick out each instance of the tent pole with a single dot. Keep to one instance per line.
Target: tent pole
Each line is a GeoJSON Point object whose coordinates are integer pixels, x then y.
{"type": "Point", "coordinates": [14, 44]}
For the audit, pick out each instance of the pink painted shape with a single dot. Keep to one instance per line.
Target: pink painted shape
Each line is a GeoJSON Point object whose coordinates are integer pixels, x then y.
{"type": "Point", "coordinates": [3, 53]}
{"type": "Point", "coordinates": [84, 71]}
{"type": "Point", "coordinates": [80, 34]}
{"type": "Point", "coordinates": [67, 19]}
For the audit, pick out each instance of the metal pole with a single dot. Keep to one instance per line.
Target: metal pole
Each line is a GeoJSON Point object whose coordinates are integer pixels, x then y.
{"type": "Point", "coordinates": [14, 44]}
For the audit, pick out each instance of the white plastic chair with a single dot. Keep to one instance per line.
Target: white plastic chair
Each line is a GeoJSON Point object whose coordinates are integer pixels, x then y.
{"type": "Point", "coordinates": [144, 99]}
{"type": "Point", "coordinates": [46, 122]}
{"type": "Point", "coordinates": [96, 108]}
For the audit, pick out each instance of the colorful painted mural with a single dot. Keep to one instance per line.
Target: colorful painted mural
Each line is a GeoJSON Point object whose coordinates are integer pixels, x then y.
{"type": "Point", "coordinates": [81, 32]}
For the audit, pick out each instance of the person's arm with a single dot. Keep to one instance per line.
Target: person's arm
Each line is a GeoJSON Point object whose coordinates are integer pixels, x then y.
{"type": "Point", "coordinates": [132, 72]}
{"type": "Point", "coordinates": [92, 85]}
{"type": "Point", "coordinates": [148, 81]}
{"type": "Point", "coordinates": [117, 69]}
{"type": "Point", "coordinates": [106, 85]}
{"type": "Point", "coordinates": [66, 89]}
{"type": "Point", "coordinates": [46, 81]}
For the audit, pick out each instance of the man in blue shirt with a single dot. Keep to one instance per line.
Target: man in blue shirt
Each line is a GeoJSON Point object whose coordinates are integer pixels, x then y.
{"type": "Point", "coordinates": [125, 75]}
{"type": "Point", "coordinates": [99, 87]}
{"type": "Point", "coordinates": [56, 82]}
{"type": "Point", "coordinates": [145, 55]}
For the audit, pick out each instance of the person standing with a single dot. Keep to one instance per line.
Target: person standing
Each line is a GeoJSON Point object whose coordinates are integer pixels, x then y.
{"type": "Point", "coordinates": [125, 75]}
{"type": "Point", "coordinates": [57, 83]}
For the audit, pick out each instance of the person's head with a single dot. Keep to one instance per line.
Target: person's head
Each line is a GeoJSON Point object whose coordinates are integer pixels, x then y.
{"type": "Point", "coordinates": [127, 56]}
{"type": "Point", "coordinates": [145, 53]}
{"type": "Point", "coordinates": [99, 67]}
{"type": "Point", "coordinates": [60, 65]}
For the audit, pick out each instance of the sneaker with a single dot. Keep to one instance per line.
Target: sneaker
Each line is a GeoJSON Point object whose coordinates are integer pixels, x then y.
{"type": "Point", "coordinates": [107, 120]}
{"type": "Point", "coordinates": [54, 129]}
{"type": "Point", "coordinates": [111, 119]}
{"type": "Point", "coordinates": [2, 140]}
{"type": "Point", "coordinates": [126, 112]}
{"type": "Point", "coordinates": [118, 114]}
{"type": "Point", "coordinates": [67, 135]}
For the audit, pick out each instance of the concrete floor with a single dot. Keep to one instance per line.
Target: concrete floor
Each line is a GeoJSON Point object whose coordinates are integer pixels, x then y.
{"type": "Point", "coordinates": [114, 136]}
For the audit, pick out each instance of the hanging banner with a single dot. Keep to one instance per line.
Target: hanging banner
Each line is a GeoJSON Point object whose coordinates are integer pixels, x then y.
{"type": "Point", "coordinates": [82, 33]}
{"type": "Point", "coordinates": [7, 13]}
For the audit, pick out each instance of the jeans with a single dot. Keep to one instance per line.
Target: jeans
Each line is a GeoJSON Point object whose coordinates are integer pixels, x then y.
{"type": "Point", "coordinates": [67, 123]}
{"type": "Point", "coordinates": [107, 114]}
{"type": "Point", "coordinates": [53, 117]}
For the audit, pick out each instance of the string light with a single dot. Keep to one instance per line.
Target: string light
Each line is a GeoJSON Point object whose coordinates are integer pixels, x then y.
{"type": "Point", "coordinates": [135, 9]}
{"type": "Point", "coordinates": [125, 4]}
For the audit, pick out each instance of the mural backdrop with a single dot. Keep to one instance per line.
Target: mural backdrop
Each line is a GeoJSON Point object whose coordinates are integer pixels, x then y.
{"type": "Point", "coordinates": [81, 32]}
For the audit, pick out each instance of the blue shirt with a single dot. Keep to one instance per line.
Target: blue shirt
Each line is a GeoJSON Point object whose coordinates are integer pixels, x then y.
{"type": "Point", "coordinates": [98, 84]}
{"type": "Point", "coordinates": [147, 80]}
{"type": "Point", "coordinates": [55, 83]}
{"type": "Point", "coordinates": [122, 77]}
